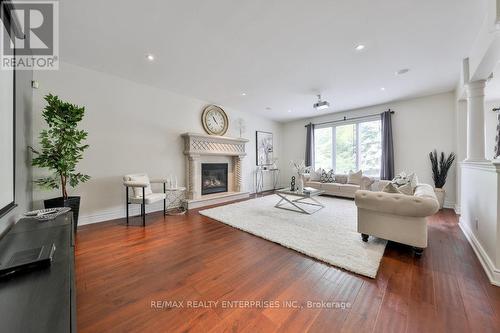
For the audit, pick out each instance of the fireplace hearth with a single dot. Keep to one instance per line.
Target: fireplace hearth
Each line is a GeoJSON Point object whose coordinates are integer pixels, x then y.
{"type": "Point", "coordinates": [213, 178]}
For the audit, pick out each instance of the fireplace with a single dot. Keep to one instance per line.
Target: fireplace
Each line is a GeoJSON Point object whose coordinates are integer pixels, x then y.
{"type": "Point", "coordinates": [213, 178]}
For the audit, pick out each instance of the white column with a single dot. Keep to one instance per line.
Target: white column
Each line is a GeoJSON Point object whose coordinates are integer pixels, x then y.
{"type": "Point", "coordinates": [475, 121]}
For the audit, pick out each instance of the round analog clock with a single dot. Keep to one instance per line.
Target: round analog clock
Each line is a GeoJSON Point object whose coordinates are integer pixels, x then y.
{"type": "Point", "coordinates": [214, 120]}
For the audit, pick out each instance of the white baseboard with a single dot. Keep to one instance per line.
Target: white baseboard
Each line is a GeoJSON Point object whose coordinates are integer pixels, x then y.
{"type": "Point", "coordinates": [449, 204]}
{"type": "Point", "coordinates": [492, 272]}
{"type": "Point", "coordinates": [457, 209]}
{"type": "Point", "coordinates": [118, 213]}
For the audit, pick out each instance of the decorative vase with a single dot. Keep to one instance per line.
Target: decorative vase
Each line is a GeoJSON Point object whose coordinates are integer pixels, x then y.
{"type": "Point", "coordinates": [440, 194]}
{"type": "Point", "coordinates": [300, 183]}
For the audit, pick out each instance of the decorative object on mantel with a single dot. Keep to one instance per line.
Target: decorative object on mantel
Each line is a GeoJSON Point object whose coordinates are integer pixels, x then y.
{"type": "Point", "coordinates": [61, 149]}
{"type": "Point", "coordinates": [214, 120]}
{"type": "Point", "coordinates": [440, 170]}
{"type": "Point", "coordinates": [264, 147]}
{"type": "Point", "coordinates": [301, 169]}
{"type": "Point", "coordinates": [47, 214]}
{"type": "Point", "coordinates": [496, 153]}
{"type": "Point", "coordinates": [241, 126]}
{"type": "Point", "coordinates": [292, 184]}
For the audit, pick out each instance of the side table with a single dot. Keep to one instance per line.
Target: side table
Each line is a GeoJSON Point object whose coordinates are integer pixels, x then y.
{"type": "Point", "coordinates": [175, 199]}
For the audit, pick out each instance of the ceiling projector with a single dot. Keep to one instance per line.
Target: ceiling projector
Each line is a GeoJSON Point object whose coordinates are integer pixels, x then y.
{"type": "Point", "coordinates": [321, 105]}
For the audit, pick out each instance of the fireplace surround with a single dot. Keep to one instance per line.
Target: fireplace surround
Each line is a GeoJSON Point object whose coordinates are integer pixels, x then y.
{"type": "Point", "coordinates": [200, 149]}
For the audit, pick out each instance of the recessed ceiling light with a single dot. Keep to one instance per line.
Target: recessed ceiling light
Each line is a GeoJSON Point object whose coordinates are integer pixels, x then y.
{"type": "Point", "coordinates": [402, 71]}
{"type": "Point", "coordinates": [383, 89]}
{"type": "Point", "coordinates": [150, 57]}
{"type": "Point", "coordinates": [289, 111]}
{"type": "Point", "coordinates": [359, 47]}
{"type": "Point", "coordinates": [243, 94]}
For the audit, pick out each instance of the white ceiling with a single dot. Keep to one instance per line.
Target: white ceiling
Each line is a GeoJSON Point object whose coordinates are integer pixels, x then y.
{"type": "Point", "coordinates": [279, 52]}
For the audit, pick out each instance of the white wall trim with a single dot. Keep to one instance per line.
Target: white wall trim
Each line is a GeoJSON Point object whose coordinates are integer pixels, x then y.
{"type": "Point", "coordinates": [486, 166]}
{"type": "Point", "coordinates": [457, 209]}
{"type": "Point", "coordinates": [449, 204]}
{"type": "Point", "coordinates": [488, 266]}
{"type": "Point", "coordinates": [119, 213]}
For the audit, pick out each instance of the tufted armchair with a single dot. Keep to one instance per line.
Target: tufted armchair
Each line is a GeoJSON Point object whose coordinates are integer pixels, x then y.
{"type": "Point", "coordinates": [142, 194]}
{"type": "Point", "coordinates": [397, 217]}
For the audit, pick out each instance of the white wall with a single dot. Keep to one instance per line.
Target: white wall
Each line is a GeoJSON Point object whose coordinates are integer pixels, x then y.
{"type": "Point", "coordinates": [132, 128]}
{"type": "Point", "coordinates": [419, 126]}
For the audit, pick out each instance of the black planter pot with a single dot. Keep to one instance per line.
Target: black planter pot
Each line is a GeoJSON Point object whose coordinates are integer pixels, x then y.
{"type": "Point", "coordinates": [72, 202]}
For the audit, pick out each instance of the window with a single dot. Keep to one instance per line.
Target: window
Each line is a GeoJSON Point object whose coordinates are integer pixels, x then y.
{"type": "Point", "coordinates": [354, 146]}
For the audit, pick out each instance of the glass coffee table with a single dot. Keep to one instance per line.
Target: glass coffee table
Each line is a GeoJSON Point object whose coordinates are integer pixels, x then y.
{"type": "Point", "coordinates": [299, 200]}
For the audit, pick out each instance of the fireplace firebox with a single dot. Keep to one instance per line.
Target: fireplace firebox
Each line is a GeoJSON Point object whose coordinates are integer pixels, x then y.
{"type": "Point", "coordinates": [213, 178]}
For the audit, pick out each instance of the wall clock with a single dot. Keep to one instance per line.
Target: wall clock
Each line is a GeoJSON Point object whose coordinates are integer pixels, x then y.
{"type": "Point", "coordinates": [214, 120]}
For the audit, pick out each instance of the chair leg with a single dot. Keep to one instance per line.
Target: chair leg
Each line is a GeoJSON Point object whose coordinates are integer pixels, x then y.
{"type": "Point", "coordinates": [126, 201]}
{"type": "Point", "coordinates": [143, 207]}
{"type": "Point", "coordinates": [164, 200]}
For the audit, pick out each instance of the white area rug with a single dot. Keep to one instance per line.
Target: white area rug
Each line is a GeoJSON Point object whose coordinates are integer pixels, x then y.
{"type": "Point", "coordinates": [329, 235]}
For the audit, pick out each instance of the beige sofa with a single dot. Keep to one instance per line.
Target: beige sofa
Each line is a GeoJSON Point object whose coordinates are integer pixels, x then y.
{"type": "Point", "coordinates": [340, 189]}
{"type": "Point", "coordinates": [397, 217]}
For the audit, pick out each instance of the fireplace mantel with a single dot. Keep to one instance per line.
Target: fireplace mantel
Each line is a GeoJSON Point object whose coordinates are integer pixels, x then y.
{"type": "Point", "coordinates": [201, 144]}
{"type": "Point", "coordinates": [201, 148]}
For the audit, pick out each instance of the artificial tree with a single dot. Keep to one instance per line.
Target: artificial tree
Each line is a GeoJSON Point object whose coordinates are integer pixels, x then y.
{"type": "Point", "coordinates": [440, 168]}
{"type": "Point", "coordinates": [61, 148]}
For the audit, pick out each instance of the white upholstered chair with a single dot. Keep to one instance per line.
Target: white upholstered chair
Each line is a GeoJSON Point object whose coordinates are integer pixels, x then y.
{"type": "Point", "coordinates": [141, 193]}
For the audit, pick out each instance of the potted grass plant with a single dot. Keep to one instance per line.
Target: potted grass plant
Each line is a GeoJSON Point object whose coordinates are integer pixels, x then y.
{"type": "Point", "coordinates": [61, 148]}
{"type": "Point", "coordinates": [440, 168]}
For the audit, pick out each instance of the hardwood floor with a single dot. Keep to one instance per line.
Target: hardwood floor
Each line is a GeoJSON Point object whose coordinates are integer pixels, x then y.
{"type": "Point", "coordinates": [121, 270]}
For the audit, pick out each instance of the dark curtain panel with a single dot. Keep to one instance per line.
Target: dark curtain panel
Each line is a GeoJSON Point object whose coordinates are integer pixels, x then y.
{"type": "Point", "coordinates": [310, 145]}
{"type": "Point", "coordinates": [387, 169]}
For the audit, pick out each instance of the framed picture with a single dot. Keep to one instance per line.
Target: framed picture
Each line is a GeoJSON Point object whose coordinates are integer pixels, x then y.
{"type": "Point", "coordinates": [264, 148]}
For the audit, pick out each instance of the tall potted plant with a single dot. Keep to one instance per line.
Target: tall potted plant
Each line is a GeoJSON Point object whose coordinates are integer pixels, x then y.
{"type": "Point", "coordinates": [440, 168]}
{"type": "Point", "coordinates": [61, 148]}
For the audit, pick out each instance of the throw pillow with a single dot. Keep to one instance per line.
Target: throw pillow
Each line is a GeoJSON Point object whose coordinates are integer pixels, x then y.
{"type": "Point", "coordinates": [390, 188]}
{"type": "Point", "coordinates": [315, 176]}
{"type": "Point", "coordinates": [413, 180]}
{"type": "Point", "coordinates": [355, 178]}
{"type": "Point", "coordinates": [406, 189]}
{"type": "Point", "coordinates": [327, 177]}
{"type": "Point", "coordinates": [401, 179]}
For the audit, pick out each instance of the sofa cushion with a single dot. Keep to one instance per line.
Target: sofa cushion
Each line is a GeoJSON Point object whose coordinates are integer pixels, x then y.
{"type": "Point", "coordinates": [341, 179]}
{"type": "Point", "coordinates": [314, 184]}
{"type": "Point", "coordinates": [348, 189]}
{"type": "Point", "coordinates": [327, 177]}
{"type": "Point", "coordinates": [355, 177]}
{"type": "Point", "coordinates": [331, 188]}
